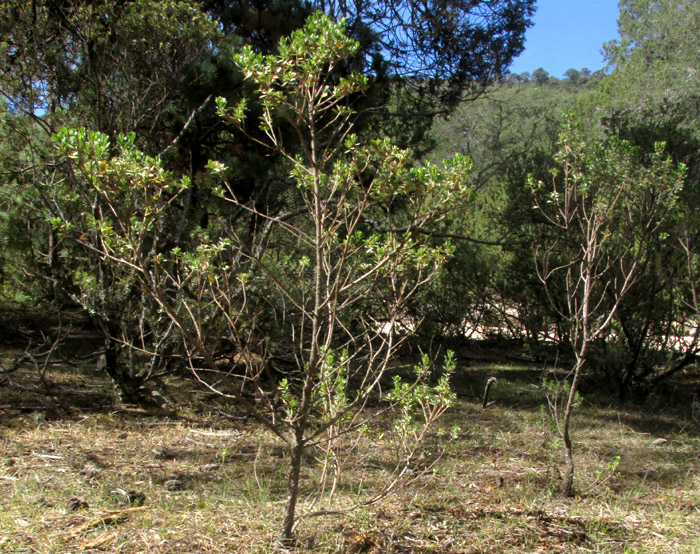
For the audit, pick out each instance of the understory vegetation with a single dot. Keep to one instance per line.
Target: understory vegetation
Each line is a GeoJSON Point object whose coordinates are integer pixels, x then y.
{"type": "Point", "coordinates": [325, 276]}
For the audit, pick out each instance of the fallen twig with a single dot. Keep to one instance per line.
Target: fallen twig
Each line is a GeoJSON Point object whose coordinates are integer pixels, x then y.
{"type": "Point", "coordinates": [99, 540]}
{"type": "Point", "coordinates": [108, 518]}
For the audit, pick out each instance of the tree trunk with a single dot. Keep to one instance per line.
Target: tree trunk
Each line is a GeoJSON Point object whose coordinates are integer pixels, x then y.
{"type": "Point", "coordinates": [287, 535]}
{"type": "Point", "coordinates": [129, 387]}
{"type": "Point", "coordinates": [568, 490]}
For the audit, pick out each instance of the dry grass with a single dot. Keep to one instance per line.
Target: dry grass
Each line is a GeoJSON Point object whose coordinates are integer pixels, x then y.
{"type": "Point", "coordinates": [496, 490]}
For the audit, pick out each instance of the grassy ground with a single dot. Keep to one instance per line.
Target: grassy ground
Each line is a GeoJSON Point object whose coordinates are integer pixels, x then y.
{"type": "Point", "coordinates": [80, 473]}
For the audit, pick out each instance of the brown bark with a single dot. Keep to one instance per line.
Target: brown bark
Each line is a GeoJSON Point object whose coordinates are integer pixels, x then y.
{"type": "Point", "coordinates": [288, 524]}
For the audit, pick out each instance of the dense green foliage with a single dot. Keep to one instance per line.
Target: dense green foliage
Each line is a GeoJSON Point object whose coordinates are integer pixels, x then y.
{"type": "Point", "coordinates": [646, 99]}
{"type": "Point", "coordinates": [153, 69]}
{"type": "Point", "coordinates": [489, 286]}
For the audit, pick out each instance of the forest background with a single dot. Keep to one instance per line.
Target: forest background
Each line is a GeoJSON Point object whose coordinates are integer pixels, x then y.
{"type": "Point", "coordinates": [253, 198]}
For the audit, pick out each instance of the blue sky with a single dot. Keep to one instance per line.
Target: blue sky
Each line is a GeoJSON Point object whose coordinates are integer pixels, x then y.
{"type": "Point", "coordinates": [568, 33]}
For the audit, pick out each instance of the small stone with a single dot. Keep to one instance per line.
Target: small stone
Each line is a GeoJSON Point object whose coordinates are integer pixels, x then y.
{"type": "Point", "coordinates": [659, 442]}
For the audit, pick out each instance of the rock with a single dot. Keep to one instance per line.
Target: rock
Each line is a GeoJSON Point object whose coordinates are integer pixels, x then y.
{"type": "Point", "coordinates": [659, 442]}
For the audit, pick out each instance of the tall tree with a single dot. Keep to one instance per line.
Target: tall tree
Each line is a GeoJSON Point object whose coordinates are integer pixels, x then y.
{"type": "Point", "coordinates": [423, 57]}
{"type": "Point", "coordinates": [115, 66]}
{"type": "Point", "coordinates": [652, 95]}
{"type": "Point", "coordinates": [112, 67]}
{"type": "Point", "coordinates": [153, 67]}
{"type": "Point", "coordinates": [653, 91]}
